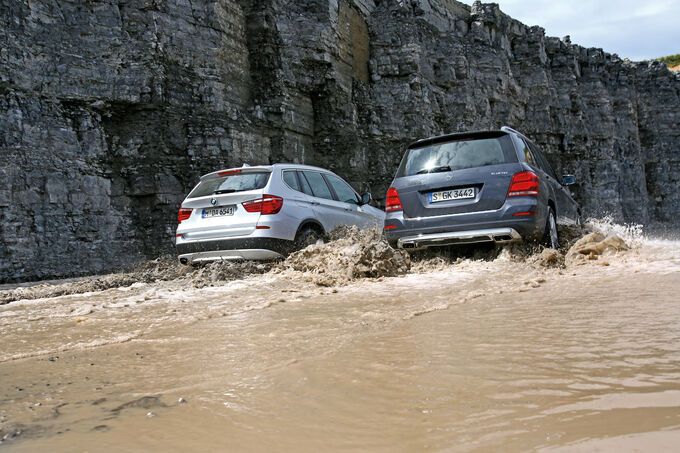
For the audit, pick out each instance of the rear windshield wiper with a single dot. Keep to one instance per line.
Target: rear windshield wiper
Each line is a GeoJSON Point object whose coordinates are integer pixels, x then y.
{"type": "Point", "coordinates": [435, 170]}
{"type": "Point", "coordinates": [225, 191]}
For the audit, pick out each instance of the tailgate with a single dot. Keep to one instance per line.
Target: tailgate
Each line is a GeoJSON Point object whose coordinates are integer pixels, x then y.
{"type": "Point", "coordinates": [219, 216]}
{"type": "Point", "coordinates": [455, 192]}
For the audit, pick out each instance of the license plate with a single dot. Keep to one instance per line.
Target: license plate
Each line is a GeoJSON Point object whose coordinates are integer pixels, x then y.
{"type": "Point", "coordinates": [218, 211]}
{"type": "Point", "coordinates": [454, 194]}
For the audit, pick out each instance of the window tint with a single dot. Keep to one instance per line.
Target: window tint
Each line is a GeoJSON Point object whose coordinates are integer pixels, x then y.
{"type": "Point", "coordinates": [344, 192]}
{"type": "Point", "coordinates": [318, 184]}
{"type": "Point", "coordinates": [290, 178]}
{"type": "Point", "coordinates": [237, 182]}
{"type": "Point", "coordinates": [542, 160]}
{"type": "Point", "coordinates": [458, 154]}
{"type": "Point", "coordinates": [305, 185]}
{"type": "Point", "coordinates": [529, 155]}
{"type": "Point", "coordinates": [551, 172]}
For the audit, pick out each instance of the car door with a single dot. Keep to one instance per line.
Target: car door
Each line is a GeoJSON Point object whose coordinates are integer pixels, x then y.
{"type": "Point", "coordinates": [354, 213]}
{"type": "Point", "coordinates": [300, 200]}
{"type": "Point", "coordinates": [330, 212]}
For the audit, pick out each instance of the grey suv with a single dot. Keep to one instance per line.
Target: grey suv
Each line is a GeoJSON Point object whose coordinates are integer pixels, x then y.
{"type": "Point", "coordinates": [264, 212]}
{"type": "Point", "coordinates": [476, 187]}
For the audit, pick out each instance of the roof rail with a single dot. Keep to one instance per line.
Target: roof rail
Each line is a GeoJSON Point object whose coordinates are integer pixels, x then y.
{"type": "Point", "coordinates": [509, 129]}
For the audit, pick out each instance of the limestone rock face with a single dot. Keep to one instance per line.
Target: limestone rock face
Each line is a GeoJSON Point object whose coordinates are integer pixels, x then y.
{"type": "Point", "coordinates": [111, 110]}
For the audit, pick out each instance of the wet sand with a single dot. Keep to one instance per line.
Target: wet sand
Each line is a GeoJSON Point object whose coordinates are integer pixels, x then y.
{"type": "Point", "coordinates": [473, 355]}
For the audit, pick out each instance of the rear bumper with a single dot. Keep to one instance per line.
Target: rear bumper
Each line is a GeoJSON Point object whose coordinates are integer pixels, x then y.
{"type": "Point", "coordinates": [421, 241]}
{"type": "Point", "coordinates": [254, 248]}
{"type": "Point", "coordinates": [488, 226]}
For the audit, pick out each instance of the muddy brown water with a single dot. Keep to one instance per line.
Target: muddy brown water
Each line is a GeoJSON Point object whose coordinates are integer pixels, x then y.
{"type": "Point", "coordinates": [480, 355]}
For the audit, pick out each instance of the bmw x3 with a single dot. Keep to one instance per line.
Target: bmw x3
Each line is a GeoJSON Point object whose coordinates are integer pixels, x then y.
{"type": "Point", "coordinates": [265, 212]}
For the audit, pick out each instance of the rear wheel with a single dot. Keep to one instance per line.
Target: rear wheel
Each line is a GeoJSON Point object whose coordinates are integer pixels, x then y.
{"type": "Point", "coordinates": [307, 236]}
{"type": "Point", "coordinates": [550, 235]}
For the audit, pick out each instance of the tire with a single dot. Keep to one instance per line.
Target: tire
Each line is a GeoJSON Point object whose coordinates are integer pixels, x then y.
{"type": "Point", "coordinates": [551, 236]}
{"type": "Point", "coordinates": [307, 236]}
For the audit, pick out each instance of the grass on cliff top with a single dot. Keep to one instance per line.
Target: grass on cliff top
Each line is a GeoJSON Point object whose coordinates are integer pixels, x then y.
{"type": "Point", "coordinates": [672, 61]}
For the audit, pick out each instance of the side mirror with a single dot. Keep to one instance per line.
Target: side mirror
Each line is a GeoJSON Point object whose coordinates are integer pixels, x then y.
{"type": "Point", "coordinates": [568, 180]}
{"type": "Point", "coordinates": [366, 198]}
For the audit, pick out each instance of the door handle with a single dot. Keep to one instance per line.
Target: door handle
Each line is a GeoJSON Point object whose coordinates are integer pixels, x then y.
{"type": "Point", "coordinates": [315, 203]}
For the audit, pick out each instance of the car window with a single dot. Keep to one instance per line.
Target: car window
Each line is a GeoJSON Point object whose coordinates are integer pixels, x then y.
{"type": "Point", "coordinates": [290, 178]}
{"type": "Point", "coordinates": [304, 185]}
{"type": "Point", "coordinates": [318, 184]}
{"type": "Point", "coordinates": [529, 157]}
{"type": "Point", "coordinates": [229, 183]}
{"type": "Point", "coordinates": [542, 160]}
{"type": "Point", "coordinates": [457, 154]}
{"type": "Point", "coordinates": [343, 190]}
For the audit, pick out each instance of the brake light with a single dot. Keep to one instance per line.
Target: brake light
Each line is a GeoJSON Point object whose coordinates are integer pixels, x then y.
{"type": "Point", "coordinates": [183, 214]}
{"type": "Point", "coordinates": [393, 202]}
{"type": "Point", "coordinates": [524, 184]}
{"type": "Point", "coordinates": [230, 172]}
{"type": "Point", "coordinates": [268, 204]}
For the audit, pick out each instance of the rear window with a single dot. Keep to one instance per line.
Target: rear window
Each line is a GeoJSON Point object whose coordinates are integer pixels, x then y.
{"type": "Point", "coordinates": [456, 155]}
{"type": "Point", "coordinates": [238, 182]}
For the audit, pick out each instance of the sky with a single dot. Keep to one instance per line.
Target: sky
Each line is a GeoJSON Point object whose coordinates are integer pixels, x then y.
{"type": "Point", "coordinates": [638, 30]}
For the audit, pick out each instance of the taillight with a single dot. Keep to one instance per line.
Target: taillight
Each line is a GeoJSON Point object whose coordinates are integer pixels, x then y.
{"type": "Point", "coordinates": [393, 202]}
{"type": "Point", "coordinates": [524, 184]}
{"type": "Point", "coordinates": [268, 204]}
{"type": "Point", "coordinates": [183, 214]}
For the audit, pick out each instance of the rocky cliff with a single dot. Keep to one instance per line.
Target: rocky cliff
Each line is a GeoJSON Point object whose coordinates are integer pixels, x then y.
{"type": "Point", "coordinates": [111, 109]}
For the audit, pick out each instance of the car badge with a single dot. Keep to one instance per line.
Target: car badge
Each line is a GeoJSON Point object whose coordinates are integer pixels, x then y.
{"type": "Point", "coordinates": [449, 177]}
{"type": "Point", "coordinates": [213, 201]}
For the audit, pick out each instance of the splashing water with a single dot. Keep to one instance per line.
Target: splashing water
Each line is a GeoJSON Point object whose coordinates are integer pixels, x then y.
{"type": "Point", "coordinates": [632, 234]}
{"type": "Point", "coordinates": [350, 254]}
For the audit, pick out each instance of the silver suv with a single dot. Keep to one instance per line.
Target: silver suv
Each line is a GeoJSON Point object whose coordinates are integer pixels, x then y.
{"type": "Point", "coordinates": [264, 212]}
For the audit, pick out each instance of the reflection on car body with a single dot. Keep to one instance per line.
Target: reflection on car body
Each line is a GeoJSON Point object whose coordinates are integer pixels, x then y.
{"type": "Point", "coordinates": [264, 212]}
{"type": "Point", "coordinates": [476, 187]}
